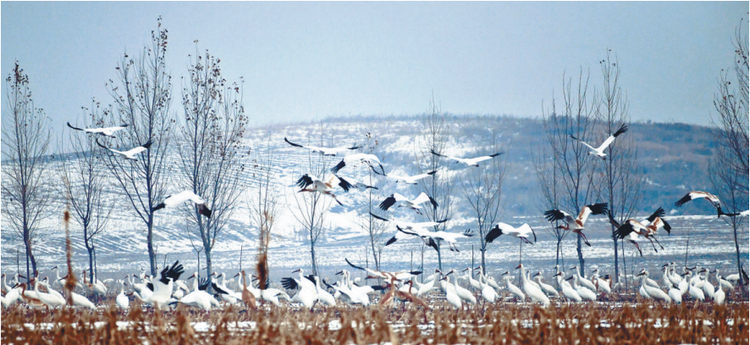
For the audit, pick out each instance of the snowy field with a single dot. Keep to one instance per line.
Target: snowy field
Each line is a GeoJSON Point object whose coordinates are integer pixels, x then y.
{"type": "Point", "coordinates": [122, 248]}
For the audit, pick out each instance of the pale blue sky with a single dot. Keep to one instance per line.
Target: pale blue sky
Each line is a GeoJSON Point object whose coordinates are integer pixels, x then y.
{"type": "Point", "coordinates": [310, 60]}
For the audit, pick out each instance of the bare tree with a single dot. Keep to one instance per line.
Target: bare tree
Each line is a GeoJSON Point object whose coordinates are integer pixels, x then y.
{"type": "Point", "coordinates": [574, 168]}
{"type": "Point", "coordinates": [438, 186]}
{"type": "Point", "coordinates": [619, 181]}
{"type": "Point", "coordinates": [483, 188]}
{"type": "Point", "coordinates": [142, 98]}
{"type": "Point", "coordinates": [545, 166]}
{"type": "Point", "coordinates": [375, 229]}
{"type": "Point", "coordinates": [310, 209]}
{"type": "Point", "coordinates": [728, 169]}
{"type": "Point", "coordinates": [85, 187]}
{"type": "Point", "coordinates": [25, 184]}
{"type": "Point", "coordinates": [263, 203]}
{"type": "Point", "coordinates": [209, 148]}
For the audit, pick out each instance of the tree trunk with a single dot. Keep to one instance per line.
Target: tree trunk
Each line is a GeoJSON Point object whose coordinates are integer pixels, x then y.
{"type": "Point", "coordinates": [617, 266]}
{"type": "Point", "coordinates": [150, 244]}
{"type": "Point", "coordinates": [209, 265]}
{"type": "Point", "coordinates": [581, 262]}
{"type": "Point", "coordinates": [440, 260]}
{"type": "Point", "coordinates": [735, 225]}
{"type": "Point", "coordinates": [312, 255]}
{"type": "Point", "coordinates": [91, 262]}
{"type": "Point", "coordinates": [483, 262]}
{"type": "Point", "coordinates": [29, 258]}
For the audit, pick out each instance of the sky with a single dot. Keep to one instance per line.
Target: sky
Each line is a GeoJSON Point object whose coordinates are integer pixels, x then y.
{"type": "Point", "coordinates": [305, 61]}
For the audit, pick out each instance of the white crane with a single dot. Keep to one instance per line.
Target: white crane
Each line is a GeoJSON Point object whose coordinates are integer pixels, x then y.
{"type": "Point", "coordinates": [722, 282]}
{"type": "Point", "coordinates": [13, 295]}
{"type": "Point", "coordinates": [106, 131]}
{"type": "Point", "coordinates": [583, 291]}
{"type": "Point", "coordinates": [410, 179]}
{"type": "Point", "coordinates": [226, 294]}
{"type": "Point", "coordinates": [513, 288]}
{"type": "Point", "coordinates": [653, 292]}
{"type": "Point", "coordinates": [719, 295]}
{"type": "Point", "coordinates": [576, 224]}
{"type": "Point", "coordinates": [601, 283]}
{"type": "Point", "coordinates": [461, 291]}
{"type": "Point", "coordinates": [450, 292]}
{"type": "Point", "coordinates": [403, 275]}
{"type": "Point", "coordinates": [360, 158]}
{"type": "Point", "coordinates": [549, 289]}
{"type": "Point", "coordinates": [162, 292]}
{"type": "Point", "coordinates": [582, 281]}
{"type": "Point", "coordinates": [707, 287]}
{"type": "Point", "coordinates": [534, 292]}
{"type": "Point", "coordinates": [271, 295]}
{"type": "Point", "coordinates": [415, 227]}
{"type": "Point", "coordinates": [347, 183]}
{"type": "Point", "coordinates": [52, 298]}
{"type": "Point", "coordinates": [468, 161]}
{"type": "Point", "coordinates": [177, 199]}
{"type": "Point", "coordinates": [567, 290]}
{"type": "Point", "coordinates": [307, 292]}
{"type": "Point", "coordinates": [403, 201]}
{"type": "Point", "coordinates": [324, 296]}
{"type": "Point", "coordinates": [673, 291]}
{"type": "Point", "coordinates": [599, 151]}
{"type": "Point", "coordinates": [488, 292]}
{"type": "Point", "coordinates": [121, 300]}
{"type": "Point", "coordinates": [435, 236]}
{"type": "Point", "coordinates": [522, 232]}
{"type": "Point", "coordinates": [129, 154]}
{"type": "Point", "coordinates": [646, 229]}
{"type": "Point", "coordinates": [472, 282]}
{"type": "Point", "coordinates": [713, 199]}
{"type": "Point", "coordinates": [351, 293]}
{"type": "Point", "coordinates": [311, 184]}
{"type": "Point", "coordinates": [325, 151]}
{"type": "Point", "coordinates": [429, 285]}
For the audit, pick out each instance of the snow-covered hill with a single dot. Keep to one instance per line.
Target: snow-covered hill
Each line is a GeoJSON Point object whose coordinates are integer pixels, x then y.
{"type": "Point", "coordinates": [123, 245]}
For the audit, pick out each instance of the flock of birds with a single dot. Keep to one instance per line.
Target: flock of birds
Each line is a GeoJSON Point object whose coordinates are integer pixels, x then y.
{"type": "Point", "coordinates": [166, 288]}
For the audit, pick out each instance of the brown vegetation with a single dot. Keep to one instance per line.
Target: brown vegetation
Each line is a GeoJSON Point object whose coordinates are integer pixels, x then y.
{"type": "Point", "coordinates": [627, 323]}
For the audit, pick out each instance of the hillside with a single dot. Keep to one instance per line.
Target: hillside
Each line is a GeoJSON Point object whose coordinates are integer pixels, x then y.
{"type": "Point", "coordinates": [672, 157]}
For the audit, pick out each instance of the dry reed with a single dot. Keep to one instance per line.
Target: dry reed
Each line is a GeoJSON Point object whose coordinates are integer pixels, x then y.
{"type": "Point", "coordinates": [502, 323]}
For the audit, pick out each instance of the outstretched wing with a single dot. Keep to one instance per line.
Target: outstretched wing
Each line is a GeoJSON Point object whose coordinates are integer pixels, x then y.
{"type": "Point", "coordinates": [291, 143]}
{"type": "Point", "coordinates": [304, 181]}
{"type": "Point", "coordinates": [553, 215]}
{"type": "Point", "coordinates": [388, 202]}
{"type": "Point", "coordinates": [289, 283]}
{"type": "Point", "coordinates": [173, 272]}
{"type": "Point", "coordinates": [583, 142]}
{"type": "Point", "coordinates": [495, 232]}
{"type": "Point", "coordinates": [657, 214]}
{"type": "Point", "coordinates": [611, 138]}
{"type": "Point", "coordinates": [76, 128]}
{"type": "Point", "coordinates": [626, 228]}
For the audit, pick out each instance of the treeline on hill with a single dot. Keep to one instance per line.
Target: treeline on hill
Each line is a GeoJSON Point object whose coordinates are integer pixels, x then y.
{"type": "Point", "coordinates": [674, 157]}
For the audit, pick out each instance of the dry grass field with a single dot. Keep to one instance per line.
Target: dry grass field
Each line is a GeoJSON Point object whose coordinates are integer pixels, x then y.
{"type": "Point", "coordinates": [500, 323]}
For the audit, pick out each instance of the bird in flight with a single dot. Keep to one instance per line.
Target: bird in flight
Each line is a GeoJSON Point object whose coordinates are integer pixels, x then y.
{"type": "Point", "coordinates": [576, 224]}
{"type": "Point", "coordinates": [403, 201]}
{"type": "Point", "coordinates": [522, 232]}
{"type": "Point", "coordinates": [713, 199]}
{"type": "Point", "coordinates": [599, 151]}
{"type": "Point", "coordinates": [129, 154]}
{"type": "Point", "coordinates": [468, 161]}
{"type": "Point", "coordinates": [179, 198]}
{"type": "Point", "coordinates": [107, 132]}
{"type": "Point", "coordinates": [326, 151]}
